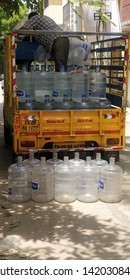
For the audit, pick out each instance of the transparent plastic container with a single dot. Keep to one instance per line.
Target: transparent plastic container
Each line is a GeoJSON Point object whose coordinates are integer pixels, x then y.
{"type": "Point", "coordinates": [79, 51]}
{"type": "Point", "coordinates": [41, 55]}
{"type": "Point", "coordinates": [99, 161]}
{"type": "Point", "coordinates": [80, 86]}
{"type": "Point", "coordinates": [111, 176]}
{"type": "Point", "coordinates": [76, 42]}
{"type": "Point", "coordinates": [66, 103]}
{"type": "Point", "coordinates": [76, 162]}
{"type": "Point", "coordinates": [25, 83]}
{"type": "Point", "coordinates": [54, 161]}
{"type": "Point", "coordinates": [65, 182]}
{"type": "Point", "coordinates": [42, 182]}
{"type": "Point", "coordinates": [47, 104]}
{"type": "Point", "coordinates": [28, 103]}
{"type": "Point", "coordinates": [97, 84]}
{"type": "Point", "coordinates": [31, 160]}
{"type": "Point", "coordinates": [84, 103]}
{"type": "Point", "coordinates": [19, 182]}
{"type": "Point", "coordinates": [79, 56]}
{"type": "Point", "coordinates": [100, 102]}
{"type": "Point", "coordinates": [44, 84]}
{"type": "Point", "coordinates": [104, 103]}
{"type": "Point", "coordinates": [62, 84]}
{"type": "Point", "coordinates": [87, 185]}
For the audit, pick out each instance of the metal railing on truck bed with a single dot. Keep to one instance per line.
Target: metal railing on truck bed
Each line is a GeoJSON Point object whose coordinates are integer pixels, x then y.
{"type": "Point", "coordinates": [111, 56]}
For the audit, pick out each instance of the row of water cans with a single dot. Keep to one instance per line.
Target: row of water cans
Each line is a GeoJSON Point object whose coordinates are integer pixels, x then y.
{"type": "Point", "coordinates": [65, 180]}
{"type": "Point", "coordinates": [81, 89]}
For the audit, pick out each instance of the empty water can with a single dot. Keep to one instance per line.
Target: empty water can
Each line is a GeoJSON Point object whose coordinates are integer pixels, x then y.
{"type": "Point", "coordinates": [43, 84]}
{"type": "Point", "coordinates": [31, 160]}
{"type": "Point", "coordinates": [42, 182]}
{"type": "Point", "coordinates": [111, 176]}
{"type": "Point", "coordinates": [54, 160]}
{"type": "Point", "coordinates": [97, 84]}
{"type": "Point", "coordinates": [65, 183]}
{"type": "Point", "coordinates": [79, 51]}
{"type": "Point", "coordinates": [87, 185]}
{"type": "Point", "coordinates": [80, 86]}
{"type": "Point", "coordinates": [62, 84]}
{"type": "Point", "coordinates": [19, 181]}
{"type": "Point", "coordinates": [99, 161]}
{"type": "Point", "coordinates": [76, 162]}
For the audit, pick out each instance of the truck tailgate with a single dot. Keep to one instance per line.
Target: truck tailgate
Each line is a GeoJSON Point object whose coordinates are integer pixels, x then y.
{"type": "Point", "coordinates": [34, 129]}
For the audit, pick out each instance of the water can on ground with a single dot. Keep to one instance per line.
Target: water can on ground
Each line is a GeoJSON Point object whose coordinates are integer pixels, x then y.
{"type": "Point", "coordinates": [110, 183]}
{"type": "Point", "coordinates": [54, 160]}
{"type": "Point", "coordinates": [76, 162]}
{"type": "Point", "coordinates": [31, 159]}
{"type": "Point", "coordinates": [87, 185]}
{"type": "Point", "coordinates": [99, 161]}
{"type": "Point", "coordinates": [19, 182]}
{"type": "Point", "coordinates": [65, 183]}
{"type": "Point", "coordinates": [42, 182]}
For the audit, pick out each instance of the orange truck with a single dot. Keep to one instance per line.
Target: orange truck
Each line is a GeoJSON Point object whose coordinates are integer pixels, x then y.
{"type": "Point", "coordinates": [67, 131]}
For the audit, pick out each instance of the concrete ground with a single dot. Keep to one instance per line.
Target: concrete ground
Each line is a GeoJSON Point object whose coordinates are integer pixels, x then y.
{"type": "Point", "coordinates": [75, 231]}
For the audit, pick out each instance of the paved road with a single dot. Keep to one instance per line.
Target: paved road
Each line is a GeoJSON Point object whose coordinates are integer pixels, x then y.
{"type": "Point", "coordinates": [64, 231]}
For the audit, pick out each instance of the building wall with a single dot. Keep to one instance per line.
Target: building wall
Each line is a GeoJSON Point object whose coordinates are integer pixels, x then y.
{"type": "Point", "coordinates": [55, 12]}
{"type": "Point", "coordinates": [55, 2]}
{"type": "Point", "coordinates": [125, 11]}
{"type": "Point", "coordinates": [71, 20]}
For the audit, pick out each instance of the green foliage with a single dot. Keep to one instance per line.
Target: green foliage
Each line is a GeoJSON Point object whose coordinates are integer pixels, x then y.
{"type": "Point", "coordinates": [10, 7]}
{"type": "Point", "coordinates": [105, 18]}
{"type": "Point", "coordinates": [7, 24]}
{"type": "Point", "coordinates": [34, 4]}
{"type": "Point", "coordinates": [97, 4]}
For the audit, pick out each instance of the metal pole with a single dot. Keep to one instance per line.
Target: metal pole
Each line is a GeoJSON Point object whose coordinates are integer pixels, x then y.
{"type": "Point", "coordinates": [41, 5]}
{"type": "Point", "coordinates": [68, 33]}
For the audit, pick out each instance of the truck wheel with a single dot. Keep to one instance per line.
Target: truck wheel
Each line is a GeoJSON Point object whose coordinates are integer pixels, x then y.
{"type": "Point", "coordinates": [107, 154]}
{"type": "Point", "coordinates": [13, 156]}
{"type": "Point", "coordinates": [7, 134]}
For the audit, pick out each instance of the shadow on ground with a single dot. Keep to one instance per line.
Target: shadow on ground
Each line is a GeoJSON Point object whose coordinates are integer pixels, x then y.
{"type": "Point", "coordinates": [58, 231]}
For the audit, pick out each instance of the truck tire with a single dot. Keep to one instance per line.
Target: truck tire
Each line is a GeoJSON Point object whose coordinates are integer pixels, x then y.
{"type": "Point", "coordinates": [107, 154]}
{"type": "Point", "coordinates": [13, 156]}
{"type": "Point", "coordinates": [7, 134]}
